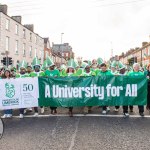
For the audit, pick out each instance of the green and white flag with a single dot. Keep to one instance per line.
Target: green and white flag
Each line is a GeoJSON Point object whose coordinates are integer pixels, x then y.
{"type": "Point", "coordinates": [19, 93]}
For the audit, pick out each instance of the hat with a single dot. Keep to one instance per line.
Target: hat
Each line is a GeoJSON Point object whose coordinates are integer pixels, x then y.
{"type": "Point", "coordinates": [121, 66]}
{"type": "Point", "coordinates": [63, 67]}
{"type": "Point", "coordinates": [100, 61]}
{"type": "Point", "coordinates": [45, 65]}
{"type": "Point", "coordinates": [84, 65]}
{"type": "Point", "coordinates": [35, 62]}
{"type": "Point", "coordinates": [71, 64]}
{"type": "Point", "coordinates": [50, 61]}
{"type": "Point", "coordinates": [23, 64]}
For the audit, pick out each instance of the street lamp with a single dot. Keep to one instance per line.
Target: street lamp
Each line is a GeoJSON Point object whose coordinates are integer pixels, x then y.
{"type": "Point", "coordinates": [61, 47]}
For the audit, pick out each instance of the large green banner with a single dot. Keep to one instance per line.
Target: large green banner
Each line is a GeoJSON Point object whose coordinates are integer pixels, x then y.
{"type": "Point", "coordinates": [92, 91]}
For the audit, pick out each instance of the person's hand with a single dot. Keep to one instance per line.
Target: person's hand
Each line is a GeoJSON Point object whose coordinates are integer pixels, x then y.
{"type": "Point", "coordinates": [147, 77]}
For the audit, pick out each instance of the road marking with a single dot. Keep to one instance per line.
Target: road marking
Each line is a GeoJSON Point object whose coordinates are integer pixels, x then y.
{"type": "Point", "coordinates": [74, 135]}
{"type": "Point", "coordinates": [81, 115]}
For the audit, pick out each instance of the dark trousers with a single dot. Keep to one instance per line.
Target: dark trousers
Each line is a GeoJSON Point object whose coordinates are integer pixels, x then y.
{"type": "Point", "coordinates": [70, 109]}
{"type": "Point", "coordinates": [36, 109]}
{"type": "Point", "coordinates": [117, 107]}
{"type": "Point", "coordinates": [53, 108]}
{"type": "Point", "coordinates": [141, 108]}
{"type": "Point", "coordinates": [21, 110]}
{"type": "Point", "coordinates": [125, 109]}
{"type": "Point", "coordinates": [104, 107]}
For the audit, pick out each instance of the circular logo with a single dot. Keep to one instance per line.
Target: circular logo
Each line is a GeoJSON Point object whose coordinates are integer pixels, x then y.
{"type": "Point", "coordinates": [1, 128]}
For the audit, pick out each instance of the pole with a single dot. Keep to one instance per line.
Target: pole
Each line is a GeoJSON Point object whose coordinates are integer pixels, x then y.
{"type": "Point", "coordinates": [61, 48]}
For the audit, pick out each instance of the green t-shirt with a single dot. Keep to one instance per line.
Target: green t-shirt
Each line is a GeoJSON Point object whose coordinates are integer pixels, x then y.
{"type": "Point", "coordinates": [133, 73]}
{"type": "Point", "coordinates": [91, 73]}
{"type": "Point", "coordinates": [37, 74]}
{"type": "Point", "coordinates": [63, 73]}
{"type": "Point", "coordinates": [22, 75]}
{"type": "Point", "coordinates": [106, 73]}
{"type": "Point", "coordinates": [52, 73]}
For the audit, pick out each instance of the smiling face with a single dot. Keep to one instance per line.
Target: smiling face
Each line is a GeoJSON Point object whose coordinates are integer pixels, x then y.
{"type": "Point", "coordinates": [7, 74]}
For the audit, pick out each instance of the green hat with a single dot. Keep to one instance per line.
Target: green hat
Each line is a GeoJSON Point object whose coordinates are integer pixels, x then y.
{"type": "Point", "coordinates": [45, 65]}
{"type": "Point", "coordinates": [71, 64]}
{"type": "Point", "coordinates": [63, 67]}
{"type": "Point", "coordinates": [76, 64]}
{"type": "Point", "coordinates": [84, 65]}
{"type": "Point", "coordinates": [100, 61]}
{"type": "Point", "coordinates": [121, 66]}
{"type": "Point", "coordinates": [49, 61]}
{"type": "Point", "coordinates": [35, 62]}
{"type": "Point", "coordinates": [23, 64]}
{"type": "Point", "coordinates": [89, 63]}
{"type": "Point", "coordinates": [114, 64]}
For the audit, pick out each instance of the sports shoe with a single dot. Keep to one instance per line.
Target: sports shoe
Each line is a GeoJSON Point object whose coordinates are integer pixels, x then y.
{"type": "Point", "coordinates": [21, 116]}
{"type": "Point", "coordinates": [108, 109]}
{"type": "Point", "coordinates": [35, 114]}
{"type": "Point", "coordinates": [4, 116]}
{"type": "Point", "coordinates": [141, 114]}
{"type": "Point", "coordinates": [104, 112]}
{"type": "Point", "coordinates": [116, 110]}
{"type": "Point", "coordinates": [42, 110]}
{"type": "Point", "coordinates": [126, 114]}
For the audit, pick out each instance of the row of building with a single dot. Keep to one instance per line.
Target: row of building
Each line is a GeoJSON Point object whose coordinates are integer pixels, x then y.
{"type": "Point", "coordinates": [139, 55]}
{"type": "Point", "coordinates": [21, 42]}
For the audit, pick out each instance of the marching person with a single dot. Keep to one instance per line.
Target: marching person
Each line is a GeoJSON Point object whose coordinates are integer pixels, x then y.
{"type": "Point", "coordinates": [87, 72]}
{"type": "Point", "coordinates": [71, 72]}
{"type": "Point", "coordinates": [104, 72]}
{"type": "Point", "coordinates": [136, 72]}
{"type": "Point", "coordinates": [7, 112]}
{"type": "Point", "coordinates": [148, 87]}
{"type": "Point", "coordinates": [52, 72]}
{"type": "Point", "coordinates": [22, 74]}
{"type": "Point", "coordinates": [37, 73]}
{"type": "Point", "coordinates": [122, 72]}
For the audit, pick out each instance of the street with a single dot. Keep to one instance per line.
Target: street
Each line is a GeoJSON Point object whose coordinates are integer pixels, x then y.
{"type": "Point", "coordinates": [77, 133]}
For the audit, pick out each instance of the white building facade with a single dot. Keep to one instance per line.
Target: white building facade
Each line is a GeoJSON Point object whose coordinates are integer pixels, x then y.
{"type": "Point", "coordinates": [19, 40]}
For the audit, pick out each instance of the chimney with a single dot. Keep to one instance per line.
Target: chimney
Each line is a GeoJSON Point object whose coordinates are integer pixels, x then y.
{"type": "Point", "coordinates": [3, 9]}
{"type": "Point", "coordinates": [30, 27]}
{"type": "Point", "coordinates": [17, 18]}
{"type": "Point", "coordinates": [144, 43]}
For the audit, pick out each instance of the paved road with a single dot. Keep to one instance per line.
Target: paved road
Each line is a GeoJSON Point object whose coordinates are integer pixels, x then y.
{"type": "Point", "coordinates": [76, 133]}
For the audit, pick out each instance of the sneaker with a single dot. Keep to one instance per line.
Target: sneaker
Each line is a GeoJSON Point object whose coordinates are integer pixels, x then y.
{"type": "Point", "coordinates": [116, 110]}
{"type": "Point", "coordinates": [42, 110]}
{"type": "Point", "coordinates": [21, 116]}
{"type": "Point", "coordinates": [126, 114]}
{"type": "Point", "coordinates": [108, 109]}
{"type": "Point", "coordinates": [9, 115]}
{"type": "Point", "coordinates": [104, 112]}
{"type": "Point", "coordinates": [4, 116]}
{"type": "Point", "coordinates": [141, 114]}
{"type": "Point", "coordinates": [35, 114]}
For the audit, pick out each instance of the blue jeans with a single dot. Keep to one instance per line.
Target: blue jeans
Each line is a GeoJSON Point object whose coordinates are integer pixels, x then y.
{"type": "Point", "coordinates": [8, 111]}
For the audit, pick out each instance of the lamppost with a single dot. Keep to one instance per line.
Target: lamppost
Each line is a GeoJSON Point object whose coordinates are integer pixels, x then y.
{"type": "Point", "coordinates": [61, 48]}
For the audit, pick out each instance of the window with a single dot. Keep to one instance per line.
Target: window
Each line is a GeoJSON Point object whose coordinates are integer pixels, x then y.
{"type": "Point", "coordinates": [30, 51]}
{"type": "Point", "coordinates": [16, 47]}
{"type": "Point", "coordinates": [66, 54]}
{"type": "Point", "coordinates": [7, 43]}
{"type": "Point", "coordinates": [7, 24]}
{"type": "Point", "coordinates": [24, 33]}
{"type": "Point", "coordinates": [149, 51]}
{"type": "Point", "coordinates": [35, 39]}
{"type": "Point", "coordinates": [24, 49]}
{"type": "Point", "coordinates": [16, 29]}
{"type": "Point", "coordinates": [35, 52]}
{"type": "Point", "coordinates": [30, 36]}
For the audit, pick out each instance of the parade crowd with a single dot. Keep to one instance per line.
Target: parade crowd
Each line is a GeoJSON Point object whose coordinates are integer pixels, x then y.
{"type": "Point", "coordinates": [73, 68]}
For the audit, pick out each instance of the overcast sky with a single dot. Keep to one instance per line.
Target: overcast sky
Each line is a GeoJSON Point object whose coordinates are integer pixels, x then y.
{"type": "Point", "coordinates": [90, 26]}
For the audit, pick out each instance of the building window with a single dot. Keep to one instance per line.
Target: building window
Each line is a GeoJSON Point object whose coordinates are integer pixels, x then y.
{"type": "Point", "coordinates": [16, 29]}
{"type": "Point", "coordinates": [7, 24]}
{"type": "Point", "coordinates": [30, 51]}
{"type": "Point", "coordinates": [30, 36]}
{"type": "Point", "coordinates": [16, 47]}
{"type": "Point", "coordinates": [24, 49]}
{"type": "Point", "coordinates": [7, 43]}
{"type": "Point", "coordinates": [66, 54]}
{"type": "Point", "coordinates": [149, 51]}
{"type": "Point", "coordinates": [35, 52]}
{"type": "Point", "coordinates": [24, 33]}
{"type": "Point", "coordinates": [35, 39]}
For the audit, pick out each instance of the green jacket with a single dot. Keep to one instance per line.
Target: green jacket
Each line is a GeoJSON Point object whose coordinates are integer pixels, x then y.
{"type": "Point", "coordinates": [133, 73]}
{"type": "Point", "coordinates": [22, 75]}
{"type": "Point", "coordinates": [106, 73]}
